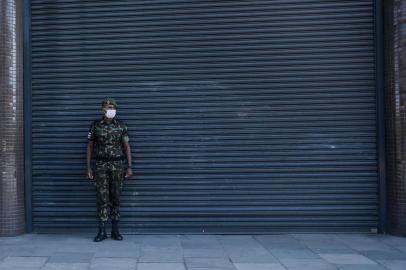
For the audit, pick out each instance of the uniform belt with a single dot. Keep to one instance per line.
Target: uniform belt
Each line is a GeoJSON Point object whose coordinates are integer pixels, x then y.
{"type": "Point", "coordinates": [109, 159]}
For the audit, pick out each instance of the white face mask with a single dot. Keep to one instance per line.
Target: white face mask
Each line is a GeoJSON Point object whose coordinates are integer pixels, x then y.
{"type": "Point", "coordinates": [110, 113]}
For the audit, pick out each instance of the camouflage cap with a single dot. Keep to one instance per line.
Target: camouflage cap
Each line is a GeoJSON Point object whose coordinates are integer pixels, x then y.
{"type": "Point", "coordinates": [108, 101]}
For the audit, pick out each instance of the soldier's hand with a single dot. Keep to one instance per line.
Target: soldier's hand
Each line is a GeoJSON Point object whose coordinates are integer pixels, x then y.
{"type": "Point", "coordinates": [128, 173]}
{"type": "Point", "coordinates": [89, 174]}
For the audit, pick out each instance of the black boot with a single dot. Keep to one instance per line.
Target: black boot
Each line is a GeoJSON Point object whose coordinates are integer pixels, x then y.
{"type": "Point", "coordinates": [101, 235]}
{"type": "Point", "coordinates": [114, 231]}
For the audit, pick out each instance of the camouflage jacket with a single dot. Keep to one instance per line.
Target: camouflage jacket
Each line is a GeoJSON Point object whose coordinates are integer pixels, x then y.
{"type": "Point", "coordinates": [108, 138]}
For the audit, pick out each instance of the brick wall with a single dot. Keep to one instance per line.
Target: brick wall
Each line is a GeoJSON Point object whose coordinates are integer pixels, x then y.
{"type": "Point", "coordinates": [11, 113]}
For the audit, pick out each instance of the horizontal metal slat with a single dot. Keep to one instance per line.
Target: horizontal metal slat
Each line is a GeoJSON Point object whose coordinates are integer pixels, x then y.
{"type": "Point", "coordinates": [242, 115]}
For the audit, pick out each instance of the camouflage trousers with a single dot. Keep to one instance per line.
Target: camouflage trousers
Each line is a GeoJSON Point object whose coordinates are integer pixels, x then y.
{"type": "Point", "coordinates": [109, 176]}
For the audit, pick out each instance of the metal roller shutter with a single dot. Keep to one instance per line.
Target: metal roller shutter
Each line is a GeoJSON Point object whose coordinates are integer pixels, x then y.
{"type": "Point", "coordinates": [244, 116]}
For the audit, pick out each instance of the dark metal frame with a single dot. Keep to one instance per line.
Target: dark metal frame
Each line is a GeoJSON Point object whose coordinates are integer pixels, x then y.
{"type": "Point", "coordinates": [380, 113]}
{"type": "Point", "coordinates": [27, 115]}
{"type": "Point", "coordinates": [380, 120]}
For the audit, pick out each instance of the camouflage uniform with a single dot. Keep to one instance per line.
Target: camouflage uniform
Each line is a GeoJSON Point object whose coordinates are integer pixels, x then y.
{"type": "Point", "coordinates": [109, 168]}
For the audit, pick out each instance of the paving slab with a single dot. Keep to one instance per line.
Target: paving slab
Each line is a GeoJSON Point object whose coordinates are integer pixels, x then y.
{"type": "Point", "coordinates": [26, 250]}
{"type": "Point", "coordinates": [19, 268]}
{"type": "Point", "coordinates": [259, 266]}
{"type": "Point", "coordinates": [307, 264]}
{"type": "Point", "coordinates": [204, 268]}
{"type": "Point", "coordinates": [71, 257]}
{"type": "Point", "coordinates": [20, 261]}
{"type": "Point", "coordinates": [164, 254]}
{"type": "Point", "coordinates": [200, 243]}
{"type": "Point", "coordinates": [323, 243]}
{"type": "Point", "coordinates": [204, 253]}
{"type": "Point", "coordinates": [113, 263]}
{"type": "Point", "coordinates": [246, 249]}
{"type": "Point", "coordinates": [161, 266]}
{"type": "Point", "coordinates": [65, 266]}
{"type": "Point", "coordinates": [202, 248]}
{"type": "Point", "coordinates": [223, 263]}
{"type": "Point", "coordinates": [361, 267]}
{"type": "Point", "coordinates": [123, 251]}
{"type": "Point", "coordinates": [362, 242]}
{"type": "Point", "coordinates": [294, 253]}
{"type": "Point", "coordinates": [280, 241]}
{"type": "Point", "coordinates": [346, 258]}
{"type": "Point", "coordinates": [384, 254]}
{"type": "Point", "coordinates": [394, 264]}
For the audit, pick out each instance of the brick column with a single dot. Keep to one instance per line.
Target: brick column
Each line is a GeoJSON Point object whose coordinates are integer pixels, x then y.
{"type": "Point", "coordinates": [12, 216]}
{"type": "Point", "coordinates": [395, 103]}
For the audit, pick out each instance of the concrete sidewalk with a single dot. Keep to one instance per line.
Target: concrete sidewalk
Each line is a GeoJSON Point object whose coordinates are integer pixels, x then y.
{"type": "Point", "coordinates": [205, 252]}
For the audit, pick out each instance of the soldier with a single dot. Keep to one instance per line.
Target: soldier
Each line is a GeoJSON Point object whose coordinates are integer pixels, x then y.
{"type": "Point", "coordinates": [109, 136]}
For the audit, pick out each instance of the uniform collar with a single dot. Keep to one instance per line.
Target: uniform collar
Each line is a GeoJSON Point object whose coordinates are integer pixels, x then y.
{"type": "Point", "coordinates": [102, 120]}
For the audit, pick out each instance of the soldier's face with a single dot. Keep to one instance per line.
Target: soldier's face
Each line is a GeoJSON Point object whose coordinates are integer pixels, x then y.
{"type": "Point", "coordinates": [108, 107]}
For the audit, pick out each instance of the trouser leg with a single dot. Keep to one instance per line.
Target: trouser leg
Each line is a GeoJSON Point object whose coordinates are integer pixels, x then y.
{"type": "Point", "coordinates": [102, 191]}
{"type": "Point", "coordinates": [116, 185]}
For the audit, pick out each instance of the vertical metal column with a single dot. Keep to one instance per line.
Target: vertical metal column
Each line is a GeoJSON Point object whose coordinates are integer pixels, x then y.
{"type": "Point", "coordinates": [395, 101]}
{"type": "Point", "coordinates": [12, 215]}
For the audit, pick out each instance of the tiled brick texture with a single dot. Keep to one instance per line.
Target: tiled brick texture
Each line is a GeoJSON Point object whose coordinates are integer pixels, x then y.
{"type": "Point", "coordinates": [11, 113]}
{"type": "Point", "coordinates": [395, 112]}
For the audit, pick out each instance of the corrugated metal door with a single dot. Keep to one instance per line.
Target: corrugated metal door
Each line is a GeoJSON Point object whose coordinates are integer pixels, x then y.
{"type": "Point", "coordinates": [244, 116]}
